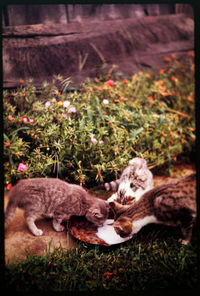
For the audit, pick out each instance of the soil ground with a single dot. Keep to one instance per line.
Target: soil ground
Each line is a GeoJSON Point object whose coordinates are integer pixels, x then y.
{"type": "Point", "coordinates": [19, 241]}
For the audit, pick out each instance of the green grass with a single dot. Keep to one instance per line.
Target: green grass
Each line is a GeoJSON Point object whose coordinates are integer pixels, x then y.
{"type": "Point", "coordinates": [152, 260]}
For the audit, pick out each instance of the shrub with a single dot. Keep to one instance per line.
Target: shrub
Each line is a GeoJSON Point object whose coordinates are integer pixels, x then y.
{"type": "Point", "coordinates": [88, 135]}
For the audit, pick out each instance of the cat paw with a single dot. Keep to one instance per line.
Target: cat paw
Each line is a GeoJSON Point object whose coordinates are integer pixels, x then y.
{"type": "Point", "coordinates": [113, 197]}
{"type": "Point", "coordinates": [38, 232]}
{"type": "Point", "coordinates": [58, 227]}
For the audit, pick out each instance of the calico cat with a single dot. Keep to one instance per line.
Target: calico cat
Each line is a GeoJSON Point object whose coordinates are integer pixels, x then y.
{"type": "Point", "coordinates": [134, 181]}
{"type": "Point", "coordinates": [54, 198]}
{"type": "Point", "coordinates": [171, 204]}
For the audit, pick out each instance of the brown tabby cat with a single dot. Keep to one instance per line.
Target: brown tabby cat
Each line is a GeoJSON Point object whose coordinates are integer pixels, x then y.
{"type": "Point", "coordinates": [54, 198]}
{"type": "Point", "coordinates": [171, 204]}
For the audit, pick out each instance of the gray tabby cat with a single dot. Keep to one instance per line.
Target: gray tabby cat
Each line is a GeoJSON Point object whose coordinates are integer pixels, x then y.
{"type": "Point", "coordinates": [171, 204]}
{"type": "Point", "coordinates": [135, 180]}
{"type": "Point", "coordinates": [54, 198]}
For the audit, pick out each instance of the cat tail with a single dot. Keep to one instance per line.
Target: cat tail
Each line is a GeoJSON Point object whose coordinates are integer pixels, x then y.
{"type": "Point", "coordinates": [110, 186]}
{"type": "Point", "coordinates": [10, 211]}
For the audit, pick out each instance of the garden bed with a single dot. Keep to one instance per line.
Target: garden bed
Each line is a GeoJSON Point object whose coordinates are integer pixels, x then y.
{"type": "Point", "coordinates": [88, 136]}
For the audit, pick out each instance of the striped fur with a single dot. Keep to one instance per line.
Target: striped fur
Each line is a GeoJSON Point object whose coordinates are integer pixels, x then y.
{"type": "Point", "coordinates": [54, 198]}
{"type": "Point", "coordinates": [135, 179]}
{"type": "Point", "coordinates": [171, 204]}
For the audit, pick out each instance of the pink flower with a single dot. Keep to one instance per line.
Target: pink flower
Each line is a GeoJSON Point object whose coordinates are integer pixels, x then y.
{"type": "Point", "coordinates": [94, 141]}
{"type": "Point", "coordinates": [66, 104]}
{"type": "Point", "coordinates": [31, 120]}
{"type": "Point", "coordinates": [22, 167]}
{"type": "Point", "coordinates": [63, 115]}
{"type": "Point", "coordinates": [47, 104]}
{"type": "Point", "coordinates": [101, 142]}
{"type": "Point", "coordinates": [110, 83]}
{"type": "Point", "coordinates": [72, 110]}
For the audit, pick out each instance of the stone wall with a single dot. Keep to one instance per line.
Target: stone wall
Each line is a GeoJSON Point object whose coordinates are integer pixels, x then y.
{"type": "Point", "coordinates": [83, 49]}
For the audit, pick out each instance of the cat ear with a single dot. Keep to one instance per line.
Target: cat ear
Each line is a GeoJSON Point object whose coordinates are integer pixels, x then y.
{"type": "Point", "coordinates": [140, 162]}
{"type": "Point", "coordinates": [115, 206]}
{"type": "Point", "coordinates": [117, 225]}
{"type": "Point", "coordinates": [131, 162]}
{"type": "Point", "coordinates": [96, 213]}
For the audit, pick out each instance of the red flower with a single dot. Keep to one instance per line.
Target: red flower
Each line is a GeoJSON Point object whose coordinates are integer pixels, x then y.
{"type": "Point", "coordinates": [150, 98]}
{"type": "Point", "coordinates": [191, 53]}
{"type": "Point", "coordinates": [99, 88]}
{"type": "Point", "coordinates": [108, 275]}
{"type": "Point", "coordinates": [22, 81]}
{"type": "Point", "coordinates": [167, 59]}
{"type": "Point", "coordinates": [10, 118]}
{"type": "Point", "coordinates": [182, 114]}
{"type": "Point", "coordinates": [7, 144]}
{"type": "Point", "coordinates": [190, 99]}
{"type": "Point", "coordinates": [110, 83]}
{"type": "Point", "coordinates": [23, 119]}
{"type": "Point", "coordinates": [121, 98]}
{"type": "Point", "coordinates": [9, 186]}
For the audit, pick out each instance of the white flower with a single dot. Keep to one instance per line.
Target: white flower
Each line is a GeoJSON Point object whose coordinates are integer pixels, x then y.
{"type": "Point", "coordinates": [105, 102]}
{"type": "Point", "coordinates": [47, 104]}
{"type": "Point", "coordinates": [66, 104]}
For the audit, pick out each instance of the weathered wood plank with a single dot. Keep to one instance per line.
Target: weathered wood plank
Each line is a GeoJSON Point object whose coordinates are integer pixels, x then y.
{"type": "Point", "coordinates": [15, 15]}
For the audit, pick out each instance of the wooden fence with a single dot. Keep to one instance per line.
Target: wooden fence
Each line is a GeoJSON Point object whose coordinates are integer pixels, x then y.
{"type": "Point", "coordinates": [14, 15]}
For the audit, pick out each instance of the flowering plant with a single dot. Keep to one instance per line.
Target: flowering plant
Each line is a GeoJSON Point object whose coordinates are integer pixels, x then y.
{"type": "Point", "coordinates": [88, 136]}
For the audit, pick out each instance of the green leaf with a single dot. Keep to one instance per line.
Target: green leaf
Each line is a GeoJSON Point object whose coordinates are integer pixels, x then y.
{"type": "Point", "coordinates": [136, 132]}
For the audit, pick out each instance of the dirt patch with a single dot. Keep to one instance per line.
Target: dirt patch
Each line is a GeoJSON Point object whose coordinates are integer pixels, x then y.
{"type": "Point", "coordinates": [19, 241]}
{"type": "Point", "coordinates": [179, 170]}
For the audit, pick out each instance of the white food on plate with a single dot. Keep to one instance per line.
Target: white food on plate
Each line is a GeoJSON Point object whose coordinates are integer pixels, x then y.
{"type": "Point", "coordinates": [108, 234]}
